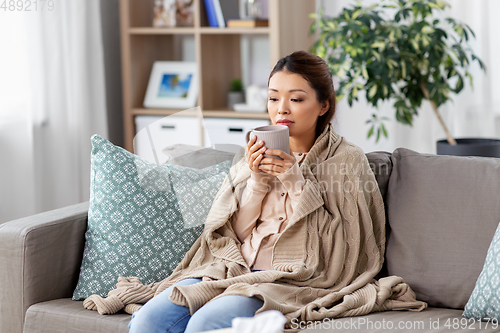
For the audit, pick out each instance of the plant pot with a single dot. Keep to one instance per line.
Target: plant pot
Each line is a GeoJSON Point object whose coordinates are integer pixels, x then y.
{"type": "Point", "coordinates": [235, 97]}
{"type": "Point", "coordinates": [470, 147]}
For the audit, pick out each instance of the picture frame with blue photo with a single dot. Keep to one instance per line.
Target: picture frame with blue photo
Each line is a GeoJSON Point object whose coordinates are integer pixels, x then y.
{"type": "Point", "coordinates": [172, 85]}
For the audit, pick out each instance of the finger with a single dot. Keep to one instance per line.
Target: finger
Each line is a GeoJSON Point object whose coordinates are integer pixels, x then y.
{"type": "Point", "coordinates": [278, 152]}
{"type": "Point", "coordinates": [271, 160]}
{"type": "Point", "coordinates": [251, 142]}
{"type": "Point", "coordinates": [276, 165]}
{"type": "Point", "coordinates": [271, 169]}
{"type": "Point", "coordinates": [254, 151]}
{"type": "Point", "coordinates": [258, 153]}
{"type": "Point", "coordinates": [256, 146]}
{"type": "Point", "coordinates": [277, 161]}
{"type": "Point", "coordinates": [257, 161]}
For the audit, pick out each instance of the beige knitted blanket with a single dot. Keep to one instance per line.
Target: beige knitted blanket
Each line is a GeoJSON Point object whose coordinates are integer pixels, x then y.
{"type": "Point", "coordinates": [324, 262]}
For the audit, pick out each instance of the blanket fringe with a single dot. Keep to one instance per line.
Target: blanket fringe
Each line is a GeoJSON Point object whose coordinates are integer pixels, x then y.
{"type": "Point", "coordinates": [128, 295]}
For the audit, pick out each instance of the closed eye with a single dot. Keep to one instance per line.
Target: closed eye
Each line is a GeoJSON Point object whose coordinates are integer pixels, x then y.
{"type": "Point", "coordinates": [296, 100]}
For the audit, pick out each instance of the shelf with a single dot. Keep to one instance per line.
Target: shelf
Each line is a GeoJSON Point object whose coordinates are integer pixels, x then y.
{"type": "Point", "coordinates": [234, 114]}
{"type": "Point", "coordinates": [207, 113]}
{"type": "Point", "coordinates": [203, 31]}
{"type": "Point", "coordinates": [218, 52]}
{"type": "Point", "coordinates": [160, 31]}
{"type": "Point", "coordinates": [154, 111]}
{"type": "Point", "coordinates": [234, 31]}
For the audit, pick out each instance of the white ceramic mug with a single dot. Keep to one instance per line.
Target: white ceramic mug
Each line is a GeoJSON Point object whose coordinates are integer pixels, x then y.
{"type": "Point", "coordinates": [274, 137]}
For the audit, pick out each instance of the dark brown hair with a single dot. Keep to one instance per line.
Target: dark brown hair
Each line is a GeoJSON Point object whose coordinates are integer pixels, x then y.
{"type": "Point", "coordinates": [315, 71]}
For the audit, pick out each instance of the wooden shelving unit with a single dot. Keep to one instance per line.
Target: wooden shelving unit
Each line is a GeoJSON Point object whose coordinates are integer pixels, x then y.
{"type": "Point", "coordinates": [217, 53]}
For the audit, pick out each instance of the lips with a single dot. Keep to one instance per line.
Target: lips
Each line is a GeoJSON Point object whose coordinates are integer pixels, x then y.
{"type": "Point", "coordinates": [285, 122]}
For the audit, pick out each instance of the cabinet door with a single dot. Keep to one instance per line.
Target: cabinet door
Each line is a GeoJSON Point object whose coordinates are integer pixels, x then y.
{"type": "Point", "coordinates": [229, 134]}
{"type": "Point", "coordinates": [155, 133]}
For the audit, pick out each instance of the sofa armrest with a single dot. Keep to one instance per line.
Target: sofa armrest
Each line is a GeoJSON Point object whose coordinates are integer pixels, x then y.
{"type": "Point", "coordinates": [40, 258]}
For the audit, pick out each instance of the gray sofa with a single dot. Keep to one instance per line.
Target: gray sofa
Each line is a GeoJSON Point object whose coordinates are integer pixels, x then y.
{"type": "Point", "coordinates": [442, 212]}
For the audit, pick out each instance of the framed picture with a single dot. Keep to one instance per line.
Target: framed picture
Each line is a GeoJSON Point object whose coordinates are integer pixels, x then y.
{"type": "Point", "coordinates": [172, 84]}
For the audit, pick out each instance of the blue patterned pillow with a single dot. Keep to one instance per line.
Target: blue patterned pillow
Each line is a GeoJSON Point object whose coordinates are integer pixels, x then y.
{"type": "Point", "coordinates": [485, 299]}
{"type": "Point", "coordinates": [142, 217]}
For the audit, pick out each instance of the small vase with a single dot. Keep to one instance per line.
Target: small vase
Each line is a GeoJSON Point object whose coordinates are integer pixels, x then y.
{"type": "Point", "coordinates": [470, 147]}
{"type": "Point", "coordinates": [234, 97]}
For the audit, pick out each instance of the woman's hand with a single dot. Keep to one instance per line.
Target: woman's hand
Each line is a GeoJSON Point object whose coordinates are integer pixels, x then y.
{"type": "Point", "coordinates": [270, 165]}
{"type": "Point", "coordinates": [255, 154]}
{"type": "Point", "coordinates": [275, 166]}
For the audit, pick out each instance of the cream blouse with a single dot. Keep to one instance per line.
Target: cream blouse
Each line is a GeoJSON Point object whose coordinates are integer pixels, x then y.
{"type": "Point", "coordinates": [266, 206]}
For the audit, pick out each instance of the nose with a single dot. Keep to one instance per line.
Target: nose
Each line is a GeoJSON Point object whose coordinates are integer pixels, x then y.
{"type": "Point", "coordinates": [283, 109]}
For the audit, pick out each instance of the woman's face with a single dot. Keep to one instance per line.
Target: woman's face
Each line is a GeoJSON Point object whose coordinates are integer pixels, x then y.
{"type": "Point", "coordinates": [292, 102]}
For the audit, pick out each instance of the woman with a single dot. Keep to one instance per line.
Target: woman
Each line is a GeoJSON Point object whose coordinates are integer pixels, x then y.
{"type": "Point", "coordinates": [304, 234]}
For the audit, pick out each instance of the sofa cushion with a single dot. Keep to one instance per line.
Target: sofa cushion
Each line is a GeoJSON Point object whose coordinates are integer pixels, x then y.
{"type": "Point", "coordinates": [142, 217]}
{"type": "Point", "coordinates": [485, 299]}
{"type": "Point", "coordinates": [381, 165]}
{"type": "Point", "coordinates": [67, 316]}
{"type": "Point", "coordinates": [443, 212]}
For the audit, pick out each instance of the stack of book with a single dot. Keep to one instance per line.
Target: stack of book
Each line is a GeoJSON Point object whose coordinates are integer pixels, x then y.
{"type": "Point", "coordinates": [222, 13]}
{"type": "Point", "coordinates": [247, 23]}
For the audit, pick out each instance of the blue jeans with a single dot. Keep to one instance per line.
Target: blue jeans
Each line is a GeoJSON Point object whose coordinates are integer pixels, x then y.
{"type": "Point", "coordinates": [161, 315]}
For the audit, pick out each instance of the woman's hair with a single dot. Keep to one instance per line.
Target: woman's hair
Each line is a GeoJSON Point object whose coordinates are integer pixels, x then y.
{"type": "Point", "coordinates": [315, 71]}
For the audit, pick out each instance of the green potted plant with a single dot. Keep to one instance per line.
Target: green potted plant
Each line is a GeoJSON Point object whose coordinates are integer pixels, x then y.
{"type": "Point", "coordinates": [236, 93]}
{"type": "Point", "coordinates": [408, 57]}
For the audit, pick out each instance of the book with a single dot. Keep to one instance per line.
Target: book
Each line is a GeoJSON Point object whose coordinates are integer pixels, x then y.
{"type": "Point", "coordinates": [247, 23]}
{"type": "Point", "coordinates": [211, 15]}
{"type": "Point", "coordinates": [218, 13]}
{"type": "Point", "coordinates": [230, 9]}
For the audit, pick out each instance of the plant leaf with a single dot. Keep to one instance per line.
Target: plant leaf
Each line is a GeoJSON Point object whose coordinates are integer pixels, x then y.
{"type": "Point", "coordinates": [427, 30]}
{"type": "Point", "coordinates": [403, 69]}
{"type": "Point", "coordinates": [414, 44]}
{"type": "Point", "coordinates": [433, 5]}
{"type": "Point", "coordinates": [364, 72]}
{"type": "Point", "coordinates": [372, 91]}
{"type": "Point", "coordinates": [460, 84]}
{"type": "Point", "coordinates": [384, 131]}
{"type": "Point", "coordinates": [370, 132]}
{"type": "Point", "coordinates": [378, 45]}
{"type": "Point", "coordinates": [356, 14]}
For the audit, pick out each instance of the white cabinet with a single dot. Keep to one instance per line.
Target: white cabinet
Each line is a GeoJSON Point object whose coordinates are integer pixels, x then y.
{"type": "Point", "coordinates": [229, 134]}
{"type": "Point", "coordinates": [154, 133]}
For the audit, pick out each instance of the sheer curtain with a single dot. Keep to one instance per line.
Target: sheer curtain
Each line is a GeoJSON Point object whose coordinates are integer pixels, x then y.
{"type": "Point", "coordinates": [475, 112]}
{"type": "Point", "coordinates": [54, 102]}
{"type": "Point", "coordinates": [16, 138]}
